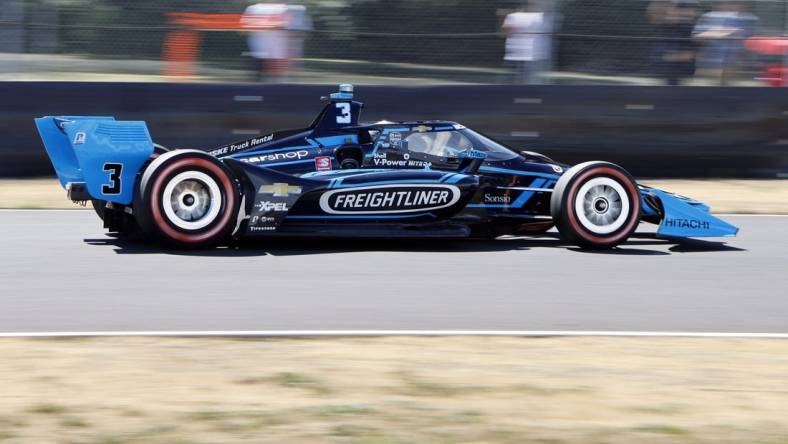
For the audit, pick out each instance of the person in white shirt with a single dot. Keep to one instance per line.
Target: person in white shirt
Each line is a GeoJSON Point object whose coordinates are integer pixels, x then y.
{"type": "Point", "coordinates": [529, 43]}
{"type": "Point", "coordinates": [267, 38]}
{"type": "Point", "coordinates": [298, 28]}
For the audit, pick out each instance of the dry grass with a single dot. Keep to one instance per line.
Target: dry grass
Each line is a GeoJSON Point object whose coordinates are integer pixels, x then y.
{"type": "Point", "coordinates": [724, 196]}
{"type": "Point", "coordinates": [33, 193]}
{"type": "Point", "coordinates": [394, 390]}
{"type": "Point", "coordinates": [732, 196]}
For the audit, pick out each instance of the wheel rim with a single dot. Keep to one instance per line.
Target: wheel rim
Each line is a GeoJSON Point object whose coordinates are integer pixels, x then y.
{"type": "Point", "coordinates": [602, 205]}
{"type": "Point", "coordinates": [192, 200]}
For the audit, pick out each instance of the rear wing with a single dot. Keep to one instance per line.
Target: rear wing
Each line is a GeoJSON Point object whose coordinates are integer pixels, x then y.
{"type": "Point", "coordinates": [99, 154]}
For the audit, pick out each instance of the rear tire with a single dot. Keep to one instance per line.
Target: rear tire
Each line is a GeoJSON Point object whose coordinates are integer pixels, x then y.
{"type": "Point", "coordinates": [100, 206]}
{"type": "Point", "coordinates": [187, 199]}
{"type": "Point", "coordinates": [596, 205]}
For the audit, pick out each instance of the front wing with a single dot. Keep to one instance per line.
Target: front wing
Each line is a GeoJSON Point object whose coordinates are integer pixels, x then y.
{"type": "Point", "coordinates": [683, 217]}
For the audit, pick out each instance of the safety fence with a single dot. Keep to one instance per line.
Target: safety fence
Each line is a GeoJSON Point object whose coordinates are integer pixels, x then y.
{"type": "Point", "coordinates": [575, 41]}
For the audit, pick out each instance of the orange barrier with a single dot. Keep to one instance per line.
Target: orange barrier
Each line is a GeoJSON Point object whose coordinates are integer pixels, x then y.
{"type": "Point", "coordinates": [182, 47]}
{"type": "Point", "coordinates": [181, 52]}
{"type": "Point", "coordinates": [206, 22]}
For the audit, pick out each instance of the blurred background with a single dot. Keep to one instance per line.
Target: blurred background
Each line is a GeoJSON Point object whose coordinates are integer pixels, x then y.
{"type": "Point", "coordinates": [632, 42]}
{"type": "Point", "coordinates": [667, 88]}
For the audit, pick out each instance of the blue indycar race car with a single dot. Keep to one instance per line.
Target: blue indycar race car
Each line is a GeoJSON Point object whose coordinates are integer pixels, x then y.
{"type": "Point", "coordinates": [340, 177]}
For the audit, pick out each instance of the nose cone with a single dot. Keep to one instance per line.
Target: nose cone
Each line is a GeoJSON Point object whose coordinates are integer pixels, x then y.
{"type": "Point", "coordinates": [682, 219]}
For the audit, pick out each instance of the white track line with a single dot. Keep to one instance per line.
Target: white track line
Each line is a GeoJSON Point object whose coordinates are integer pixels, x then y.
{"type": "Point", "coordinates": [376, 333]}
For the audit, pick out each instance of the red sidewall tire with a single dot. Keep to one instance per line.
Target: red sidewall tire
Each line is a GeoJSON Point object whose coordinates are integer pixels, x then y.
{"type": "Point", "coordinates": [149, 207]}
{"type": "Point", "coordinates": [566, 193]}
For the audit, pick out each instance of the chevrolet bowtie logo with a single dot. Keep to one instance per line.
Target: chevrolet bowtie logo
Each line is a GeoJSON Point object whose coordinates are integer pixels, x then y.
{"type": "Point", "coordinates": [422, 129]}
{"type": "Point", "coordinates": [280, 189]}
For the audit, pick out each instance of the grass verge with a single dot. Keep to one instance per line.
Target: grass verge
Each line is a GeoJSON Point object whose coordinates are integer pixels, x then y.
{"type": "Point", "coordinates": [394, 390]}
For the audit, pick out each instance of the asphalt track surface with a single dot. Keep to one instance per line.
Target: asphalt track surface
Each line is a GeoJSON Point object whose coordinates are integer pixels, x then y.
{"type": "Point", "coordinates": [59, 272]}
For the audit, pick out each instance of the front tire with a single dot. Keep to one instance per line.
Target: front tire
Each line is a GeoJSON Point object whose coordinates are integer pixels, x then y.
{"type": "Point", "coordinates": [596, 205]}
{"type": "Point", "coordinates": [187, 199]}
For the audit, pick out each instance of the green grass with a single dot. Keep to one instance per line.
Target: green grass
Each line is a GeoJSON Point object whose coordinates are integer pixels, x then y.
{"type": "Point", "coordinates": [353, 431]}
{"type": "Point", "coordinates": [340, 410]}
{"type": "Point", "coordinates": [300, 381]}
{"type": "Point", "coordinates": [132, 413]}
{"type": "Point", "coordinates": [415, 386]}
{"type": "Point", "coordinates": [208, 416]}
{"type": "Point", "coordinates": [368, 435]}
{"type": "Point", "coordinates": [74, 423]}
{"type": "Point", "coordinates": [110, 440]}
{"type": "Point", "coordinates": [662, 429]}
{"type": "Point", "coordinates": [153, 434]}
{"type": "Point", "coordinates": [11, 422]}
{"type": "Point", "coordinates": [239, 421]}
{"type": "Point", "coordinates": [252, 380]}
{"type": "Point", "coordinates": [48, 409]}
{"type": "Point", "coordinates": [666, 409]}
{"type": "Point", "coordinates": [466, 417]}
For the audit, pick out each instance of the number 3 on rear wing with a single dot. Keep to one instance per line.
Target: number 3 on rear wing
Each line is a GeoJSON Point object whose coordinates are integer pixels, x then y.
{"type": "Point", "coordinates": [100, 154]}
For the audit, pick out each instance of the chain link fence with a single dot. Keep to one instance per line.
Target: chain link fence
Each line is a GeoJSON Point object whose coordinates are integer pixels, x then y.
{"type": "Point", "coordinates": [649, 42]}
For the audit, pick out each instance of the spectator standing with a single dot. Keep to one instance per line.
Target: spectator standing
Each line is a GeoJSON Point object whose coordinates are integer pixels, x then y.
{"type": "Point", "coordinates": [267, 38]}
{"type": "Point", "coordinates": [721, 34]}
{"type": "Point", "coordinates": [298, 27]}
{"type": "Point", "coordinates": [675, 23]}
{"type": "Point", "coordinates": [529, 42]}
